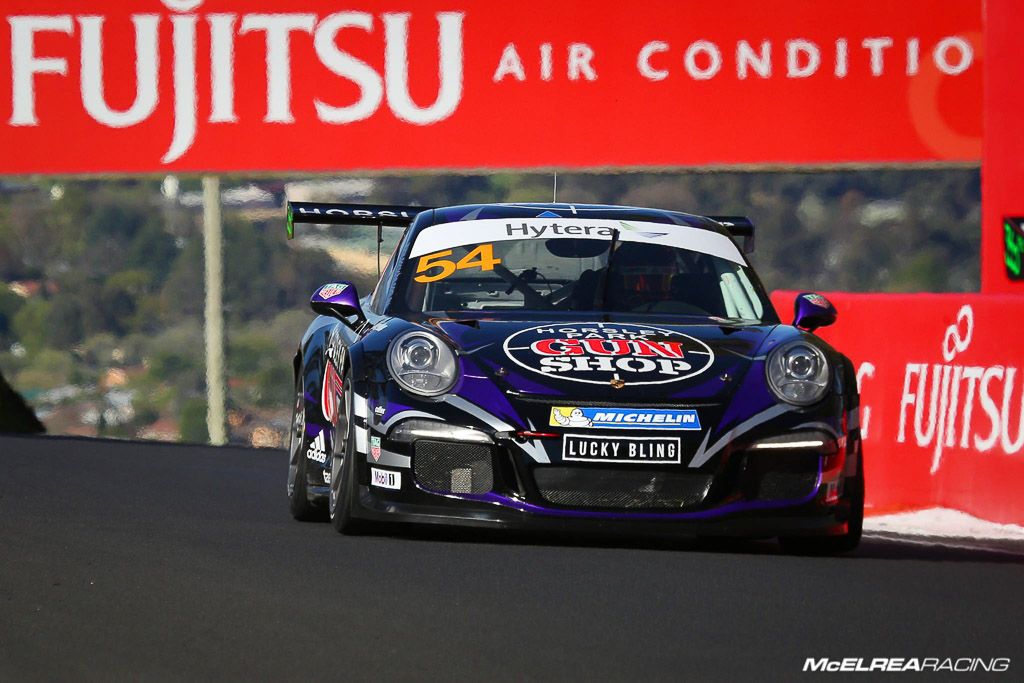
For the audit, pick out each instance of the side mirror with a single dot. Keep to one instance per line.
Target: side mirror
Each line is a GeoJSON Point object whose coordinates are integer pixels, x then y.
{"type": "Point", "coordinates": [337, 299]}
{"type": "Point", "coordinates": [811, 311]}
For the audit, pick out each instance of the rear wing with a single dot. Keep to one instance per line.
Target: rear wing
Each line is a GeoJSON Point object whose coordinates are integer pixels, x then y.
{"type": "Point", "coordinates": [351, 214]}
{"type": "Point", "coordinates": [738, 226]}
{"type": "Point", "coordinates": [403, 216]}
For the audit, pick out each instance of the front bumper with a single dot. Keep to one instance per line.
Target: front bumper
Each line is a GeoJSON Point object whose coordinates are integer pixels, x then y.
{"type": "Point", "coordinates": [743, 496]}
{"type": "Point", "coordinates": [795, 520]}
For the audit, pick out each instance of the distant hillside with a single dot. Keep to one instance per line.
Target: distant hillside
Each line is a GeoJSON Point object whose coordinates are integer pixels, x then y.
{"type": "Point", "coordinates": [101, 315]}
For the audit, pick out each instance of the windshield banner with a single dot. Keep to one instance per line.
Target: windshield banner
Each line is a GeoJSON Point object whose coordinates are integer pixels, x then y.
{"type": "Point", "coordinates": [91, 86]}
{"type": "Point", "coordinates": [448, 235]}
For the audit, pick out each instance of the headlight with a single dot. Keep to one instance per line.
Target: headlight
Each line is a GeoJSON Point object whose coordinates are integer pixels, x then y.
{"type": "Point", "coordinates": [412, 429]}
{"type": "Point", "coordinates": [798, 373]}
{"type": "Point", "coordinates": [422, 363]}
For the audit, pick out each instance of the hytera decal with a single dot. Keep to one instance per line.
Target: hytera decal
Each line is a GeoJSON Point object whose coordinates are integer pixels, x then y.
{"type": "Point", "coordinates": [317, 450]}
{"type": "Point", "coordinates": [597, 353]}
{"type": "Point", "coordinates": [624, 418]}
{"type": "Point", "coordinates": [444, 236]}
{"type": "Point", "coordinates": [331, 290]}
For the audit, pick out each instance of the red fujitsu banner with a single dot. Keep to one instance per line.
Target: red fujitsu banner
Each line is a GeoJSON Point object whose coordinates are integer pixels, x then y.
{"type": "Point", "coordinates": [225, 85]}
{"type": "Point", "coordinates": [942, 398]}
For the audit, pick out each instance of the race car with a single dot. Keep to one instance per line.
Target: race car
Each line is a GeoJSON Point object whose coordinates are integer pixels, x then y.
{"type": "Point", "coordinates": [572, 368]}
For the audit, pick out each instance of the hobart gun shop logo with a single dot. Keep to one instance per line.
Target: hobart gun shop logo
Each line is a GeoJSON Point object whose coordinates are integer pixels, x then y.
{"type": "Point", "coordinates": [605, 353]}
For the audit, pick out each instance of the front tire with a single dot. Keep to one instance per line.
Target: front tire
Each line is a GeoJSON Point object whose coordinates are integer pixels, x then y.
{"type": "Point", "coordinates": [344, 487]}
{"type": "Point", "coordinates": [298, 493]}
{"type": "Point", "coordinates": [836, 545]}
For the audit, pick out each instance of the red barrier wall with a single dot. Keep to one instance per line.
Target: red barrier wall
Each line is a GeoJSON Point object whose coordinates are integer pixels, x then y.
{"type": "Point", "coordinates": [101, 86]}
{"type": "Point", "coordinates": [942, 391]}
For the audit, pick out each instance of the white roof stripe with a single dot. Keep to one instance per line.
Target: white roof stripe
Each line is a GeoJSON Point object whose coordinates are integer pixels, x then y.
{"type": "Point", "coordinates": [448, 235]}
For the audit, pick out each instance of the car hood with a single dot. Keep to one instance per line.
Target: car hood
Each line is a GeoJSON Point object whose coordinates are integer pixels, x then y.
{"type": "Point", "coordinates": [620, 362]}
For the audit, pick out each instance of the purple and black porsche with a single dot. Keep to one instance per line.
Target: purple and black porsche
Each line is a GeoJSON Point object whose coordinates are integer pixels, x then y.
{"type": "Point", "coordinates": [572, 368]}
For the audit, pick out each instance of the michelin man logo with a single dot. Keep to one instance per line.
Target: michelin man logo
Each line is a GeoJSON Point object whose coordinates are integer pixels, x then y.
{"type": "Point", "coordinates": [575, 418]}
{"type": "Point", "coordinates": [623, 418]}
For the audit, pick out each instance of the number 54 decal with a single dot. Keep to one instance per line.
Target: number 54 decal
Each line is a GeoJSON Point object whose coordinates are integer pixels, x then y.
{"type": "Point", "coordinates": [482, 257]}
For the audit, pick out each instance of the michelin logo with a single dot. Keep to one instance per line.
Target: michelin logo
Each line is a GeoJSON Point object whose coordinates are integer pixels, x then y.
{"type": "Point", "coordinates": [624, 418]}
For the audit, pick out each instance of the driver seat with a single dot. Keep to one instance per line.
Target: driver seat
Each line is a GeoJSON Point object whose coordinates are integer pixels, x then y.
{"type": "Point", "coordinates": [585, 291]}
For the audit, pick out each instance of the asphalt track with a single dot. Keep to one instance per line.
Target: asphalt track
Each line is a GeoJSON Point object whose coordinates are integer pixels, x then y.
{"type": "Point", "coordinates": [127, 561]}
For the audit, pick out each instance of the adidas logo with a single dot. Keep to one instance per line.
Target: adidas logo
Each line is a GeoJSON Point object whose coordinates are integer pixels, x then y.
{"type": "Point", "coordinates": [317, 451]}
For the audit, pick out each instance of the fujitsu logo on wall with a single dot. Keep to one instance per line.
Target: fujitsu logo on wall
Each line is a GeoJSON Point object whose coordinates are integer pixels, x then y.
{"type": "Point", "coordinates": [598, 353]}
{"type": "Point", "coordinates": [278, 29]}
{"type": "Point", "coordinates": [940, 400]}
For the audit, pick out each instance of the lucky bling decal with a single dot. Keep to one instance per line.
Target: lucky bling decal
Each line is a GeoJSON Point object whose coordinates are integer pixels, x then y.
{"type": "Point", "coordinates": [607, 353]}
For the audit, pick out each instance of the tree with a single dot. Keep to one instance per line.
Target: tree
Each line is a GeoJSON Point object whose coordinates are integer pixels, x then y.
{"type": "Point", "coordinates": [193, 421]}
{"type": "Point", "coordinates": [30, 324]}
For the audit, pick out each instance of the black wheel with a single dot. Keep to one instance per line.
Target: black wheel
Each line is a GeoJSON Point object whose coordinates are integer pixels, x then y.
{"type": "Point", "coordinates": [836, 545]}
{"type": "Point", "coordinates": [344, 486]}
{"type": "Point", "coordinates": [298, 494]}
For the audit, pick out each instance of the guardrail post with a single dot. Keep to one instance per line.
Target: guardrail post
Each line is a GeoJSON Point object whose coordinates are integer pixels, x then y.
{"type": "Point", "coordinates": [214, 312]}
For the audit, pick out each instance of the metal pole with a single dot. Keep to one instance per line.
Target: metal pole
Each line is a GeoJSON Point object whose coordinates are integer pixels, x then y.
{"type": "Point", "coordinates": [213, 259]}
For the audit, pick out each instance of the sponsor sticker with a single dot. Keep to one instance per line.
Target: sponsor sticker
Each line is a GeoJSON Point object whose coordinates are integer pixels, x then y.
{"type": "Point", "coordinates": [439, 265]}
{"type": "Point", "coordinates": [331, 391]}
{"type": "Point", "coordinates": [572, 417]}
{"type": "Point", "coordinates": [603, 353]}
{"type": "Point", "coordinates": [816, 299]}
{"type": "Point", "coordinates": [385, 479]}
{"type": "Point", "coordinates": [317, 450]}
{"type": "Point", "coordinates": [375, 447]}
{"type": "Point", "coordinates": [641, 449]}
{"type": "Point", "coordinates": [327, 476]}
{"type": "Point", "coordinates": [444, 236]}
{"type": "Point", "coordinates": [331, 290]}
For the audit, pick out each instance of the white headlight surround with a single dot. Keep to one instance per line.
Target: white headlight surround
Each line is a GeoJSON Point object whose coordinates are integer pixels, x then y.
{"type": "Point", "coordinates": [798, 373]}
{"type": "Point", "coordinates": [422, 364]}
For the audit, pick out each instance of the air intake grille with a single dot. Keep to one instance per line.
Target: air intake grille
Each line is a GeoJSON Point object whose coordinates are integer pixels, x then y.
{"type": "Point", "coordinates": [786, 485]}
{"type": "Point", "coordinates": [617, 488]}
{"type": "Point", "coordinates": [779, 477]}
{"type": "Point", "coordinates": [448, 467]}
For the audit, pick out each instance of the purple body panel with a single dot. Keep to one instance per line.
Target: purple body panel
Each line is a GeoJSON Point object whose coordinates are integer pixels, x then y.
{"type": "Point", "coordinates": [394, 408]}
{"type": "Point", "coordinates": [751, 398]}
{"type": "Point", "coordinates": [521, 383]}
{"type": "Point", "coordinates": [481, 391]}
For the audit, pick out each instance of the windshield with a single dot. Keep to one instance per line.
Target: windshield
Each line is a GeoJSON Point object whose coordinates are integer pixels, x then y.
{"type": "Point", "coordinates": [598, 266]}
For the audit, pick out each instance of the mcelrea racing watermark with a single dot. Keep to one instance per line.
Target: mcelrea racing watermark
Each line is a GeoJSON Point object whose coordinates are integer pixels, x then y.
{"type": "Point", "coordinates": [903, 664]}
